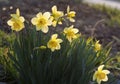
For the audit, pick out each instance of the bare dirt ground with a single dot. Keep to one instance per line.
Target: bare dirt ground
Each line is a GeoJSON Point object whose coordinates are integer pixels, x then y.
{"type": "Point", "coordinates": [89, 21]}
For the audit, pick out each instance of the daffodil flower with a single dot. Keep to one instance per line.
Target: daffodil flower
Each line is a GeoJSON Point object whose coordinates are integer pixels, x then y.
{"type": "Point", "coordinates": [97, 46]}
{"type": "Point", "coordinates": [71, 33]}
{"type": "Point", "coordinates": [70, 14]}
{"type": "Point", "coordinates": [56, 16]}
{"type": "Point", "coordinates": [54, 43]}
{"type": "Point", "coordinates": [42, 21]}
{"type": "Point", "coordinates": [16, 22]}
{"type": "Point", "coordinates": [101, 75]}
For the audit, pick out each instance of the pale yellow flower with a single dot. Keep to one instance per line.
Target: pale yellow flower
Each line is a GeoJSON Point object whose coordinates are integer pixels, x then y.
{"type": "Point", "coordinates": [56, 16]}
{"type": "Point", "coordinates": [70, 14]}
{"type": "Point", "coordinates": [97, 46]}
{"type": "Point", "coordinates": [16, 22]}
{"type": "Point", "coordinates": [100, 74]}
{"type": "Point", "coordinates": [71, 33]}
{"type": "Point", "coordinates": [42, 21]}
{"type": "Point", "coordinates": [54, 43]}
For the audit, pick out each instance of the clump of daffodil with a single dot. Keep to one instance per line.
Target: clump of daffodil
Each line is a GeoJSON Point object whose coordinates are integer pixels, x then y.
{"type": "Point", "coordinates": [42, 21]}
{"type": "Point", "coordinates": [17, 21]}
{"type": "Point", "coordinates": [54, 43]}
{"type": "Point", "coordinates": [101, 75]}
{"type": "Point", "coordinates": [71, 33]}
{"type": "Point", "coordinates": [97, 46]}
{"type": "Point", "coordinates": [70, 14]}
{"type": "Point", "coordinates": [56, 16]}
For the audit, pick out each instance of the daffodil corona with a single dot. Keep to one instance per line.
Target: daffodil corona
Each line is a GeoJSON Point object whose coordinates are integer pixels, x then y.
{"type": "Point", "coordinates": [70, 14]}
{"type": "Point", "coordinates": [42, 21]}
{"type": "Point", "coordinates": [71, 33]}
{"type": "Point", "coordinates": [101, 75]}
{"type": "Point", "coordinates": [17, 21]}
{"type": "Point", "coordinates": [54, 43]}
{"type": "Point", "coordinates": [56, 16]}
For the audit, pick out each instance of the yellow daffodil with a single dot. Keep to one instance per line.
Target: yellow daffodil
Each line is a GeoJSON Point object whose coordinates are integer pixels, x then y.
{"type": "Point", "coordinates": [17, 21]}
{"type": "Point", "coordinates": [97, 46]}
{"type": "Point", "coordinates": [70, 14]}
{"type": "Point", "coordinates": [56, 16]}
{"type": "Point", "coordinates": [42, 21]}
{"type": "Point", "coordinates": [71, 33]}
{"type": "Point", "coordinates": [101, 75]}
{"type": "Point", "coordinates": [54, 43]}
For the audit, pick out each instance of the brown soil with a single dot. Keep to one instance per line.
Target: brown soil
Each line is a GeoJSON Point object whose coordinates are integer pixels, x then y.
{"type": "Point", "coordinates": [90, 21]}
{"type": "Point", "coordinates": [86, 18]}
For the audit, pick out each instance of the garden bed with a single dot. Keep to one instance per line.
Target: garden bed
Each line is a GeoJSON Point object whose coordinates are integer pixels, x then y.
{"type": "Point", "coordinates": [90, 21]}
{"type": "Point", "coordinates": [86, 18]}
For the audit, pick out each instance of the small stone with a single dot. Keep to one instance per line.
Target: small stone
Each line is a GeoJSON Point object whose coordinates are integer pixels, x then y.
{"type": "Point", "coordinates": [4, 8]}
{"type": "Point", "coordinates": [11, 7]}
{"type": "Point", "coordinates": [2, 83]}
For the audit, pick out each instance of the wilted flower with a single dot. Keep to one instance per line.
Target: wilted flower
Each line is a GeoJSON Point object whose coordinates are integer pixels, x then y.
{"type": "Point", "coordinates": [17, 21]}
{"type": "Point", "coordinates": [71, 33]}
{"type": "Point", "coordinates": [56, 16]}
{"type": "Point", "coordinates": [70, 14]}
{"type": "Point", "coordinates": [97, 46]}
{"type": "Point", "coordinates": [42, 21]}
{"type": "Point", "coordinates": [101, 75]}
{"type": "Point", "coordinates": [54, 43]}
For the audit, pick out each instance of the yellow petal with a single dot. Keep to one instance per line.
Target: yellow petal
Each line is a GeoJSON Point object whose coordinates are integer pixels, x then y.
{"type": "Point", "coordinates": [54, 36]}
{"type": "Point", "coordinates": [98, 81]}
{"type": "Point", "coordinates": [10, 23]}
{"type": "Point", "coordinates": [54, 23]}
{"type": "Point", "coordinates": [105, 79]}
{"type": "Point", "coordinates": [22, 19]}
{"type": "Point", "coordinates": [75, 30]}
{"type": "Point", "coordinates": [54, 9]}
{"type": "Point", "coordinates": [72, 13]}
{"type": "Point", "coordinates": [100, 67]}
{"type": "Point", "coordinates": [68, 9]}
{"type": "Point", "coordinates": [45, 29]}
{"type": "Point", "coordinates": [106, 71]}
{"type": "Point", "coordinates": [18, 11]}
{"type": "Point", "coordinates": [72, 20]}
{"type": "Point", "coordinates": [52, 49]}
{"type": "Point", "coordinates": [69, 39]}
{"type": "Point", "coordinates": [65, 30]}
{"type": "Point", "coordinates": [71, 26]}
{"type": "Point", "coordinates": [14, 16]}
{"type": "Point", "coordinates": [59, 22]}
{"type": "Point", "coordinates": [58, 47]}
{"type": "Point", "coordinates": [49, 22]}
{"type": "Point", "coordinates": [34, 21]}
{"type": "Point", "coordinates": [38, 28]}
{"type": "Point", "coordinates": [39, 14]}
{"type": "Point", "coordinates": [94, 76]}
{"type": "Point", "coordinates": [48, 44]}
{"type": "Point", "coordinates": [59, 40]}
{"type": "Point", "coordinates": [46, 15]}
